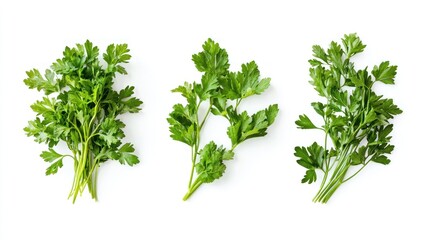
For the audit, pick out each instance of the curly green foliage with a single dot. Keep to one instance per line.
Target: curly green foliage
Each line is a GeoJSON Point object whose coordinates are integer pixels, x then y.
{"type": "Point", "coordinates": [81, 109]}
{"type": "Point", "coordinates": [356, 119]}
{"type": "Point", "coordinates": [224, 91]}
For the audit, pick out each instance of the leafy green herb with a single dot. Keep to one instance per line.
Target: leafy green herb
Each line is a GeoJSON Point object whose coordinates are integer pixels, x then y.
{"type": "Point", "coordinates": [81, 109]}
{"type": "Point", "coordinates": [223, 91]}
{"type": "Point", "coordinates": [355, 118]}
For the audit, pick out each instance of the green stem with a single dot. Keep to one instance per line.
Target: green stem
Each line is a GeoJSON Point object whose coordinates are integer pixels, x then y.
{"type": "Point", "coordinates": [194, 156]}
{"type": "Point", "coordinates": [77, 185]}
{"type": "Point", "coordinates": [326, 191]}
{"type": "Point", "coordinates": [205, 116]}
{"type": "Point", "coordinates": [192, 189]}
{"type": "Point", "coordinates": [76, 169]}
{"type": "Point", "coordinates": [327, 166]}
{"type": "Point", "coordinates": [325, 146]}
{"type": "Point", "coordinates": [85, 165]}
{"type": "Point", "coordinates": [196, 146]}
{"type": "Point", "coordinates": [94, 116]}
{"type": "Point", "coordinates": [237, 102]}
{"type": "Point", "coordinates": [74, 179]}
{"type": "Point", "coordinates": [341, 162]}
{"type": "Point", "coordinates": [354, 174]}
{"type": "Point", "coordinates": [91, 178]}
{"type": "Point", "coordinates": [325, 198]}
{"type": "Point", "coordinates": [94, 196]}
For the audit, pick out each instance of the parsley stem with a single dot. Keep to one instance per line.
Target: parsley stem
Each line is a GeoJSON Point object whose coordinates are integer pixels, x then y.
{"type": "Point", "coordinates": [354, 174]}
{"type": "Point", "coordinates": [95, 183]}
{"type": "Point", "coordinates": [192, 189]}
{"type": "Point", "coordinates": [327, 163]}
{"type": "Point", "coordinates": [206, 115]}
{"type": "Point", "coordinates": [193, 157]}
{"type": "Point", "coordinates": [238, 101]}
{"type": "Point", "coordinates": [196, 146]}
{"type": "Point", "coordinates": [337, 178]}
{"type": "Point", "coordinates": [90, 173]}
{"type": "Point", "coordinates": [79, 179]}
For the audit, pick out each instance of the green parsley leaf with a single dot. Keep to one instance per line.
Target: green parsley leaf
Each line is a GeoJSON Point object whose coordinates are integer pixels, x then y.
{"type": "Point", "coordinates": [126, 155]}
{"type": "Point", "coordinates": [381, 159]}
{"type": "Point", "coordinates": [51, 155]}
{"type": "Point", "coordinates": [54, 167]}
{"type": "Point", "coordinates": [384, 73]}
{"type": "Point", "coordinates": [210, 166]}
{"type": "Point", "coordinates": [309, 177]}
{"type": "Point", "coordinates": [304, 122]}
{"type": "Point", "coordinates": [246, 127]}
{"type": "Point", "coordinates": [47, 84]}
{"type": "Point", "coordinates": [212, 60]}
{"type": "Point", "coordinates": [244, 84]}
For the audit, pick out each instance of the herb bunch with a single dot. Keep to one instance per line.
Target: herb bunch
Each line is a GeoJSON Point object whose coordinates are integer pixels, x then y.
{"type": "Point", "coordinates": [356, 119]}
{"type": "Point", "coordinates": [223, 91]}
{"type": "Point", "coordinates": [81, 109]}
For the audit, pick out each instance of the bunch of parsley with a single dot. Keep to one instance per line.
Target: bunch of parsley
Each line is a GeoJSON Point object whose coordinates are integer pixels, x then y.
{"type": "Point", "coordinates": [223, 91]}
{"type": "Point", "coordinates": [356, 119]}
{"type": "Point", "coordinates": [81, 109]}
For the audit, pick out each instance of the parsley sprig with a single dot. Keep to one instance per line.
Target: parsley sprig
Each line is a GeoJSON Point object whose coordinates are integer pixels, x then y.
{"type": "Point", "coordinates": [81, 109]}
{"type": "Point", "coordinates": [223, 91]}
{"type": "Point", "coordinates": [356, 119]}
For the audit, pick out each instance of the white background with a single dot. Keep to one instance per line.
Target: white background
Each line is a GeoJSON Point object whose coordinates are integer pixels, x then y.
{"type": "Point", "coordinates": [260, 196]}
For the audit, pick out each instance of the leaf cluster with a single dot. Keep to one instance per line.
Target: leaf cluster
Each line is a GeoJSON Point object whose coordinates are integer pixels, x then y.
{"type": "Point", "coordinates": [223, 90]}
{"type": "Point", "coordinates": [80, 108]}
{"type": "Point", "coordinates": [356, 119]}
